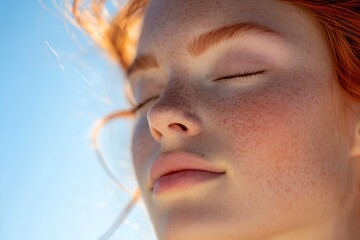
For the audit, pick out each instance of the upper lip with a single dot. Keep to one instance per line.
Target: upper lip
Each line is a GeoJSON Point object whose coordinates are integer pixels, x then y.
{"type": "Point", "coordinates": [176, 161]}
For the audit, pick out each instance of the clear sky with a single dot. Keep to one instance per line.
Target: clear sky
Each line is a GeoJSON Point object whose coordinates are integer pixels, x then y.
{"type": "Point", "coordinates": [54, 84]}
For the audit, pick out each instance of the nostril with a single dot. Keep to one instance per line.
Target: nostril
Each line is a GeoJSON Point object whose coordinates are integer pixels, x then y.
{"type": "Point", "coordinates": [178, 125]}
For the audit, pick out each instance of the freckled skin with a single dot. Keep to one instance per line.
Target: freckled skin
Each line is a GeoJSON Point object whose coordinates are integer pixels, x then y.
{"type": "Point", "coordinates": [286, 149]}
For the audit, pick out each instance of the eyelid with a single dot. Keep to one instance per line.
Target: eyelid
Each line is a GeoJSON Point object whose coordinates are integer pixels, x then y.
{"type": "Point", "coordinates": [141, 104]}
{"type": "Point", "coordinates": [243, 74]}
{"type": "Point", "coordinates": [155, 84]}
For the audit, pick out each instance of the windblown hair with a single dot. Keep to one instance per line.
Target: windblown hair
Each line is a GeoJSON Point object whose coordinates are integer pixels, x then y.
{"type": "Point", "coordinates": [119, 36]}
{"type": "Point", "coordinates": [340, 21]}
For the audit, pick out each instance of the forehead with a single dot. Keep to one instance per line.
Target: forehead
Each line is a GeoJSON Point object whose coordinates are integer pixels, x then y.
{"type": "Point", "coordinates": [170, 25]}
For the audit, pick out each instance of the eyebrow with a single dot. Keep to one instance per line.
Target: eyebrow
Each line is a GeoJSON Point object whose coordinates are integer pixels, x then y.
{"type": "Point", "coordinates": [205, 41]}
{"type": "Point", "coordinates": [210, 39]}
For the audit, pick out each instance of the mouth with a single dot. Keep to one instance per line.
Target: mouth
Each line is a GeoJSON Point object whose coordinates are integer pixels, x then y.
{"type": "Point", "coordinates": [176, 171]}
{"type": "Point", "coordinates": [181, 180]}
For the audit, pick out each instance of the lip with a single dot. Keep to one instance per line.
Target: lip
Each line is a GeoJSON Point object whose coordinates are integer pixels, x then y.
{"type": "Point", "coordinates": [180, 169]}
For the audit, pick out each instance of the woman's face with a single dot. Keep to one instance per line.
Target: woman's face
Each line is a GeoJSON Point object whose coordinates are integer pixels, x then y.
{"type": "Point", "coordinates": [279, 133]}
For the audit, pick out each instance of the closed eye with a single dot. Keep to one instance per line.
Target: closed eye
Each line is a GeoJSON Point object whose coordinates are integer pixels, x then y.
{"type": "Point", "coordinates": [140, 105]}
{"type": "Point", "coordinates": [244, 74]}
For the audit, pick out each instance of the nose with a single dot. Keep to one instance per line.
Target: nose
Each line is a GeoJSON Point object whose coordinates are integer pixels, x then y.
{"type": "Point", "coordinates": [172, 120]}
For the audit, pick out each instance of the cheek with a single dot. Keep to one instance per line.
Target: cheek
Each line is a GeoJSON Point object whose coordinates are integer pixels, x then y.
{"type": "Point", "coordinates": [142, 145]}
{"type": "Point", "coordinates": [282, 141]}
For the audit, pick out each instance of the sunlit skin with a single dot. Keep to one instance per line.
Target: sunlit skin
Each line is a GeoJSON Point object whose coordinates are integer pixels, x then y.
{"type": "Point", "coordinates": [286, 136]}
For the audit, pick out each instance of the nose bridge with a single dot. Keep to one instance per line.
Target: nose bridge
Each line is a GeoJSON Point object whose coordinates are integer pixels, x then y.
{"type": "Point", "coordinates": [174, 114]}
{"type": "Point", "coordinates": [176, 93]}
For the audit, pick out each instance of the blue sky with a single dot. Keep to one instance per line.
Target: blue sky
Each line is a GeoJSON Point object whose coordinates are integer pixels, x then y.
{"type": "Point", "coordinates": [52, 186]}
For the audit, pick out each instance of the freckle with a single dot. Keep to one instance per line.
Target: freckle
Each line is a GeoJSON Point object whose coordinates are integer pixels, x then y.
{"type": "Point", "coordinates": [312, 183]}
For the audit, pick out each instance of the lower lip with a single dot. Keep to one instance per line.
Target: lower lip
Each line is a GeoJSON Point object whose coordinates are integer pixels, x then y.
{"type": "Point", "coordinates": [181, 180]}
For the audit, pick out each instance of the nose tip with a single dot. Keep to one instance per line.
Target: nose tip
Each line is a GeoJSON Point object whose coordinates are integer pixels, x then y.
{"type": "Point", "coordinates": [172, 122]}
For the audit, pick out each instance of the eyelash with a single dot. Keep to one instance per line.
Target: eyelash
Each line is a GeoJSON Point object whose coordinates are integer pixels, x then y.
{"type": "Point", "coordinates": [245, 74]}
{"type": "Point", "coordinates": [137, 107]}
